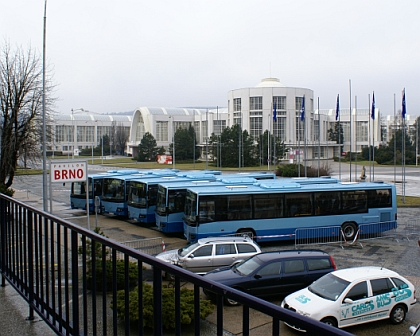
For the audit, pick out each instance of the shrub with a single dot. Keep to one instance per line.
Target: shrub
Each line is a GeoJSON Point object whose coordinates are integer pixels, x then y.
{"type": "Point", "coordinates": [291, 170]}
{"type": "Point", "coordinates": [168, 306]}
{"type": "Point", "coordinates": [7, 191]}
{"type": "Point", "coordinates": [120, 267]}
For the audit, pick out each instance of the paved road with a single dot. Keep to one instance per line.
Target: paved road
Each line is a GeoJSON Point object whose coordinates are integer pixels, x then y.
{"type": "Point", "coordinates": [395, 252]}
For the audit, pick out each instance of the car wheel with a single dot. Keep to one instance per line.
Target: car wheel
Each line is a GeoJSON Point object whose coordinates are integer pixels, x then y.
{"type": "Point", "coordinates": [397, 314]}
{"type": "Point", "coordinates": [330, 321]}
{"type": "Point", "coordinates": [231, 302]}
{"type": "Point", "coordinates": [349, 230]}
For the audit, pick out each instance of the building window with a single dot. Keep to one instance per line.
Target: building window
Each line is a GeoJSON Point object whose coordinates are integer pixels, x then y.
{"type": "Point", "coordinates": [64, 133]}
{"type": "Point", "coordinates": [161, 131]}
{"type": "Point", "coordinates": [255, 126]}
{"type": "Point", "coordinates": [279, 127]}
{"type": "Point", "coordinates": [317, 133]}
{"type": "Point", "coordinates": [255, 103]}
{"type": "Point", "coordinates": [85, 134]}
{"type": "Point", "coordinates": [218, 126]}
{"type": "Point", "coordinates": [236, 104]}
{"type": "Point", "coordinates": [362, 131]}
{"type": "Point", "coordinates": [280, 102]}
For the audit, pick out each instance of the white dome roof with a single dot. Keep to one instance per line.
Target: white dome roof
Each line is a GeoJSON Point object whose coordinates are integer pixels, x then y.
{"type": "Point", "coordinates": [270, 82]}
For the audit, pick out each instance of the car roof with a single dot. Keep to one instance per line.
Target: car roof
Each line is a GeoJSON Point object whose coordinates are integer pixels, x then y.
{"type": "Point", "coordinates": [266, 256]}
{"type": "Point", "coordinates": [364, 272]}
{"type": "Point", "coordinates": [225, 239]}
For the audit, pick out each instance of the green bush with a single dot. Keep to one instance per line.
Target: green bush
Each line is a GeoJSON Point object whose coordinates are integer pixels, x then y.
{"type": "Point", "coordinates": [7, 191]}
{"type": "Point", "coordinates": [168, 306]}
{"type": "Point", "coordinates": [291, 170]}
{"type": "Point", "coordinates": [120, 267]}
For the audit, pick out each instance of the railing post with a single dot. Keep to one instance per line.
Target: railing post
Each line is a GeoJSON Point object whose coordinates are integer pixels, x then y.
{"type": "Point", "coordinates": [30, 266]}
{"type": "Point", "coordinates": [75, 281]}
{"type": "Point", "coordinates": [3, 222]}
{"type": "Point", "coordinates": [157, 301]}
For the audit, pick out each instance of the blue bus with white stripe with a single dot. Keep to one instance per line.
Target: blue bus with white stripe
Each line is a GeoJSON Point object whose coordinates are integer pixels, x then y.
{"type": "Point", "coordinates": [115, 190]}
{"type": "Point", "coordinates": [95, 181]}
{"type": "Point", "coordinates": [274, 211]}
{"type": "Point", "coordinates": [171, 197]}
{"type": "Point", "coordinates": [143, 193]}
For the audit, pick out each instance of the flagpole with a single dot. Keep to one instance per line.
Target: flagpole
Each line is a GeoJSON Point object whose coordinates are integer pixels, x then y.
{"type": "Point", "coordinates": [268, 139]}
{"type": "Point", "coordinates": [298, 156]}
{"type": "Point", "coordinates": [355, 138]}
{"type": "Point", "coordinates": [302, 118]}
{"type": "Point", "coordinates": [274, 138]}
{"type": "Point", "coordinates": [350, 127]}
{"type": "Point", "coordinates": [403, 113]}
{"type": "Point", "coordinates": [395, 141]}
{"type": "Point", "coordinates": [373, 135]}
{"type": "Point", "coordinates": [319, 139]}
{"type": "Point", "coordinates": [369, 143]}
{"type": "Point", "coordinates": [337, 115]}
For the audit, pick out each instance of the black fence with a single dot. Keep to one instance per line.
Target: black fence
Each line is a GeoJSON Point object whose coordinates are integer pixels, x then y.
{"type": "Point", "coordinates": [74, 278]}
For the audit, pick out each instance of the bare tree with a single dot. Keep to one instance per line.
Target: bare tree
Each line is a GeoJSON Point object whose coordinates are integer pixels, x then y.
{"type": "Point", "coordinates": [21, 89]}
{"type": "Point", "coordinates": [121, 138]}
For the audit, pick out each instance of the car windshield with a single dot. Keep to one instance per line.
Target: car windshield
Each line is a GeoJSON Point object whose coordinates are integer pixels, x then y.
{"type": "Point", "coordinates": [329, 287]}
{"type": "Point", "coordinates": [187, 249]}
{"type": "Point", "coordinates": [247, 266]}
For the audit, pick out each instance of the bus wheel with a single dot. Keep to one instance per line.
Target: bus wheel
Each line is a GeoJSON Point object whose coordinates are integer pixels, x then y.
{"type": "Point", "coordinates": [247, 232]}
{"type": "Point", "coordinates": [349, 230]}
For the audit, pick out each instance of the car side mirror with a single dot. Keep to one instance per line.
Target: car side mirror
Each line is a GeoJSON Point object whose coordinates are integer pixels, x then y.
{"type": "Point", "coordinates": [348, 301]}
{"type": "Point", "coordinates": [191, 256]}
{"type": "Point", "coordinates": [257, 276]}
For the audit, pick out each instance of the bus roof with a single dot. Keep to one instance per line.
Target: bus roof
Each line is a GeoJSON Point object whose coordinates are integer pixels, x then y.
{"type": "Point", "coordinates": [174, 179]}
{"type": "Point", "coordinates": [207, 183]}
{"type": "Point", "coordinates": [264, 188]}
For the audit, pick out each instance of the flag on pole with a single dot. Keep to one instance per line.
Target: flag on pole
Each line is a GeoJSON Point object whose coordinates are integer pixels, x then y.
{"type": "Point", "coordinates": [337, 109]}
{"type": "Point", "coordinates": [275, 112]}
{"type": "Point", "coordinates": [373, 106]}
{"type": "Point", "coordinates": [302, 113]}
{"type": "Point", "coordinates": [404, 110]}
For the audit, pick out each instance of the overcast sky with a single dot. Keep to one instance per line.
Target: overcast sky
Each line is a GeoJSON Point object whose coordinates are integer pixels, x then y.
{"type": "Point", "coordinates": [115, 56]}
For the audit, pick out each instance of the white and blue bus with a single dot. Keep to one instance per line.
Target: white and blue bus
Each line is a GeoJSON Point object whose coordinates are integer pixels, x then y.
{"type": "Point", "coordinates": [142, 194]}
{"type": "Point", "coordinates": [274, 211]}
{"type": "Point", "coordinates": [95, 181]}
{"type": "Point", "coordinates": [171, 197]}
{"type": "Point", "coordinates": [115, 190]}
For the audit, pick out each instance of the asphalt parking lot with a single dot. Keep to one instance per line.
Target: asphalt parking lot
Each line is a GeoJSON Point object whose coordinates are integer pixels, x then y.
{"type": "Point", "coordinates": [398, 251]}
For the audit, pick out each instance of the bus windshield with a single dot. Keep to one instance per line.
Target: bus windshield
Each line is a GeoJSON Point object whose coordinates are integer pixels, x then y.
{"type": "Point", "coordinates": [190, 207]}
{"type": "Point", "coordinates": [161, 201]}
{"type": "Point", "coordinates": [137, 195]}
{"type": "Point", "coordinates": [78, 189]}
{"type": "Point", "coordinates": [113, 189]}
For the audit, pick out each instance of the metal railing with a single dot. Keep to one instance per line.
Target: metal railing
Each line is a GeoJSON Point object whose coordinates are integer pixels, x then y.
{"type": "Point", "coordinates": [335, 235]}
{"type": "Point", "coordinates": [68, 275]}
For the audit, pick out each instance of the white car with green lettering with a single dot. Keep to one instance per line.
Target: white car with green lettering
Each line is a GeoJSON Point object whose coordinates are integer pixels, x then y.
{"type": "Point", "coordinates": [353, 296]}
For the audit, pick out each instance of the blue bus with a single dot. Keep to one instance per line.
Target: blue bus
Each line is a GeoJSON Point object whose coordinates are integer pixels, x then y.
{"type": "Point", "coordinates": [95, 181]}
{"type": "Point", "coordinates": [171, 198]}
{"type": "Point", "coordinates": [142, 193]}
{"type": "Point", "coordinates": [271, 211]}
{"type": "Point", "coordinates": [115, 190]}
{"type": "Point", "coordinates": [171, 201]}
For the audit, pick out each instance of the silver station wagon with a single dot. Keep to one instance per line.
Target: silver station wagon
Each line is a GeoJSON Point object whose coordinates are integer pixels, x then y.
{"type": "Point", "coordinates": [210, 253]}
